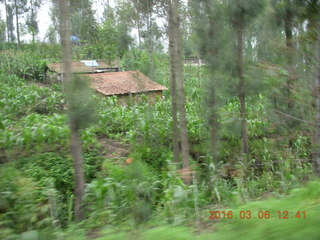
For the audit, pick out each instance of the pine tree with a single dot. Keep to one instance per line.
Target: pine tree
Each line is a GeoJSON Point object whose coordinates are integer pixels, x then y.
{"type": "Point", "coordinates": [209, 27]}
{"type": "Point", "coordinates": [241, 13]}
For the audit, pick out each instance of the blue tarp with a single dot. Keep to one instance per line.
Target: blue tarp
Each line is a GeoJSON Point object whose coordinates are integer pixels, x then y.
{"type": "Point", "coordinates": [75, 40]}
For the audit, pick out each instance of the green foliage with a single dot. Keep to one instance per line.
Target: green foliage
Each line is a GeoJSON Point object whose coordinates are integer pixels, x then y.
{"type": "Point", "coordinates": [22, 205]}
{"type": "Point", "coordinates": [2, 30]}
{"type": "Point", "coordinates": [83, 22]}
{"type": "Point", "coordinates": [245, 10]}
{"type": "Point", "coordinates": [34, 132]}
{"type": "Point", "coordinates": [108, 42]}
{"type": "Point", "coordinates": [23, 64]}
{"type": "Point", "coordinates": [18, 98]}
{"type": "Point", "coordinates": [104, 45]}
{"type": "Point", "coordinates": [56, 168]}
{"type": "Point", "coordinates": [81, 102]}
{"type": "Point", "coordinates": [39, 51]}
{"type": "Point", "coordinates": [124, 192]}
{"type": "Point", "coordinates": [44, 166]}
{"type": "Point", "coordinates": [136, 59]}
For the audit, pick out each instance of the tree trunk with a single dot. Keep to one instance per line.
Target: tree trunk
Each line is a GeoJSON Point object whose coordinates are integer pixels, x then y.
{"type": "Point", "coordinates": [242, 94]}
{"type": "Point", "coordinates": [150, 41]}
{"type": "Point", "coordinates": [213, 122]}
{"type": "Point", "coordinates": [177, 79]}
{"type": "Point", "coordinates": [75, 142]}
{"type": "Point", "coordinates": [11, 27]}
{"type": "Point", "coordinates": [173, 92]}
{"type": "Point", "coordinates": [138, 22]}
{"type": "Point", "coordinates": [289, 44]}
{"type": "Point", "coordinates": [32, 16]}
{"type": "Point", "coordinates": [317, 96]}
{"type": "Point", "coordinates": [17, 21]}
{"type": "Point", "coordinates": [7, 20]}
{"type": "Point", "coordinates": [183, 125]}
{"type": "Point", "coordinates": [78, 171]}
{"type": "Point", "coordinates": [138, 26]}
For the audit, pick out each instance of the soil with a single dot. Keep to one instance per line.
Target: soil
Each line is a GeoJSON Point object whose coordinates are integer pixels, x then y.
{"type": "Point", "coordinates": [113, 149]}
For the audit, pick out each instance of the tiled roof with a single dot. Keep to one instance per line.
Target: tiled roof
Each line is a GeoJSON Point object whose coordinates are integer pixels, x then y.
{"type": "Point", "coordinates": [115, 83]}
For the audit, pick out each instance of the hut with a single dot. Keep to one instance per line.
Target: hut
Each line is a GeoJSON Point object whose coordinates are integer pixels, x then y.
{"type": "Point", "coordinates": [124, 84]}
{"type": "Point", "coordinates": [87, 66]}
{"type": "Point", "coordinates": [55, 70]}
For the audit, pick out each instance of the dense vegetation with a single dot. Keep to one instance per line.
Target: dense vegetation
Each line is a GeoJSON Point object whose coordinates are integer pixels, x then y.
{"type": "Point", "coordinates": [140, 193]}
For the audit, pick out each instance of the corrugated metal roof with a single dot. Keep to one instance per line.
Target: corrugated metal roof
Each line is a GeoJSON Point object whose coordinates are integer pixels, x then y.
{"type": "Point", "coordinates": [90, 63]}
{"type": "Point", "coordinates": [116, 83]}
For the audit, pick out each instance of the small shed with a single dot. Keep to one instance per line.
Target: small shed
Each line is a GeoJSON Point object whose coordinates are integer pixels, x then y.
{"type": "Point", "coordinates": [87, 66]}
{"type": "Point", "coordinates": [123, 84]}
{"type": "Point", "coordinates": [54, 71]}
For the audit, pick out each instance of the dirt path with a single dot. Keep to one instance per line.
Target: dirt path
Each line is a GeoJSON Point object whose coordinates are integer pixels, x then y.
{"type": "Point", "coordinates": [113, 149]}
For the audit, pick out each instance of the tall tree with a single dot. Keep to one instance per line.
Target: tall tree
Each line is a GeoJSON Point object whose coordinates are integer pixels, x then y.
{"type": "Point", "coordinates": [7, 19]}
{"type": "Point", "coordinates": [32, 22]}
{"type": "Point", "coordinates": [173, 87]}
{"type": "Point", "coordinates": [209, 26]}
{"type": "Point", "coordinates": [317, 96]}
{"type": "Point", "coordinates": [239, 23]}
{"type": "Point", "coordinates": [288, 27]}
{"type": "Point", "coordinates": [83, 22]}
{"type": "Point", "coordinates": [177, 85]}
{"type": "Point", "coordinates": [308, 14]}
{"type": "Point", "coordinates": [124, 23]}
{"type": "Point", "coordinates": [108, 12]}
{"type": "Point", "coordinates": [242, 12]}
{"type": "Point", "coordinates": [148, 29]}
{"type": "Point", "coordinates": [286, 15]}
{"type": "Point", "coordinates": [20, 7]}
{"type": "Point", "coordinates": [10, 24]}
{"type": "Point", "coordinates": [149, 21]}
{"type": "Point", "coordinates": [72, 110]}
{"type": "Point", "coordinates": [53, 30]}
{"type": "Point", "coordinates": [106, 44]}
{"type": "Point", "coordinates": [137, 20]}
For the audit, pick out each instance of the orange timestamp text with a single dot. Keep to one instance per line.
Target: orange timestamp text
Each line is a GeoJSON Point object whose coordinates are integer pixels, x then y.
{"type": "Point", "coordinates": [246, 214]}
